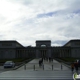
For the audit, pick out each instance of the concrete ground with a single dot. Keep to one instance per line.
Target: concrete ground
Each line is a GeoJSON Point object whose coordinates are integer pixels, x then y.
{"type": "Point", "coordinates": [34, 65]}
{"type": "Point", "coordinates": [57, 72]}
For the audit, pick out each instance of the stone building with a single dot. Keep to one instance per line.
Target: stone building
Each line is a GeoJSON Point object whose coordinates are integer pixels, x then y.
{"type": "Point", "coordinates": [75, 47]}
{"type": "Point", "coordinates": [43, 49]}
{"type": "Point", "coordinates": [8, 49]}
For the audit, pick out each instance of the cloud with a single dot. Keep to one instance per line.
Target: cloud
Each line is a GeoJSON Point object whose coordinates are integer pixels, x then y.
{"type": "Point", "coordinates": [59, 42]}
{"type": "Point", "coordinates": [49, 14]}
{"type": "Point", "coordinates": [29, 20]}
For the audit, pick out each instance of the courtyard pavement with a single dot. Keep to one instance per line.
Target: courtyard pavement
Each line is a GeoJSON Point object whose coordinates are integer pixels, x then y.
{"type": "Point", "coordinates": [53, 65]}
{"type": "Point", "coordinates": [48, 72]}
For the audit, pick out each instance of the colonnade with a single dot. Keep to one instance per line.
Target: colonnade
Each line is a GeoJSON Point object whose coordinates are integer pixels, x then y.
{"type": "Point", "coordinates": [43, 53]}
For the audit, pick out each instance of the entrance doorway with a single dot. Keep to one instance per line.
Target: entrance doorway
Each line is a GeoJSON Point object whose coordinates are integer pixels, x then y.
{"type": "Point", "coordinates": [43, 54]}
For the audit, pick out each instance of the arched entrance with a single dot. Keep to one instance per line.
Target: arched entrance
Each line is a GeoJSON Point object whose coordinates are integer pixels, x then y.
{"type": "Point", "coordinates": [43, 48]}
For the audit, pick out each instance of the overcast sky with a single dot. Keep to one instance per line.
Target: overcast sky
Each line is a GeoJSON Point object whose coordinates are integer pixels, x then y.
{"type": "Point", "coordinates": [29, 20]}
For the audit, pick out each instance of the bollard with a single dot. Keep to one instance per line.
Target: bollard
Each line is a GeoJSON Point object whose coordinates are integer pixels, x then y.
{"type": "Point", "coordinates": [52, 60]}
{"type": "Point", "coordinates": [61, 66]}
{"type": "Point", "coordinates": [52, 67]}
{"type": "Point", "coordinates": [43, 67]}
{"type": "Point", "coordinates": [34, 67]}
{"type": "Point", "coordinates": [25, 67]}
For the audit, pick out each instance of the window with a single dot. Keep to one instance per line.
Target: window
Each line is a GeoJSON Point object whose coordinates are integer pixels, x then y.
{"type": "Point", "coordinates": [43, 45]}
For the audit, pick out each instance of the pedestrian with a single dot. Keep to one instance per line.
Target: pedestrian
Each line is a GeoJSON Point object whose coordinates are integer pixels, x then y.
{"type": "Point", "coordinates": [76, 66]}
{"type": "Point", "coordinates": [72, 67]}
{"type": "Point", "coordinates": [40, 62]}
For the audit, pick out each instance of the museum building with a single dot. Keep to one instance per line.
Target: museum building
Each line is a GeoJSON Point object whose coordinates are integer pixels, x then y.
{"type": "Point", "coordinates": [10, 49]}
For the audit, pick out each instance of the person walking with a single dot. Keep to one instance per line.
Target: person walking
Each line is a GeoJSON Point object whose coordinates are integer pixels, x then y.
{"type": "Point", "coordinates": [72, 67]}
{"type": "Point", "coordinates": [76, 66]}
{"type": "Point", "coordinates": [40, 62]}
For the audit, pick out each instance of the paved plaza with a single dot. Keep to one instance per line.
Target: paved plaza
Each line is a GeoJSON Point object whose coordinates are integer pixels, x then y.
{"type": "Point", "coordinates": [48, 73]}
{"type": "Point", "coordinates": [36, 75]}
{"type": "Point", "coordinates": [53, 65]}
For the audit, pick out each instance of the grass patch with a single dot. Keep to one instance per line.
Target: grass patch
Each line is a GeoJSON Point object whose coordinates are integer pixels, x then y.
{"type": "Point", "coordinates": [69, 59]}
{"type": "Point", "coordinates": [15, 60]}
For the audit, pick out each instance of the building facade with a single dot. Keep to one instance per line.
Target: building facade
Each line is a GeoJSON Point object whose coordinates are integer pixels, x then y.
{"type": "Point", "coordinates": [43, 49]}
{"type": "Point", "coordinates": [8, 49]}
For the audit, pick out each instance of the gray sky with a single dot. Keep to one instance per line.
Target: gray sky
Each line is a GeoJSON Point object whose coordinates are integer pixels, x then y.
{"type": "Point", "coordinates": [29, 20]}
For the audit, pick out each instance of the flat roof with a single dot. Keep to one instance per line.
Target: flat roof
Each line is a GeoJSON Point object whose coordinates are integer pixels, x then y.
{"type": "Point", "coordinates": [43, 40]}
{"type": "Point", "coordinates": [74, 40]}
{"type": "Point", "coordinates": [10, 41]}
